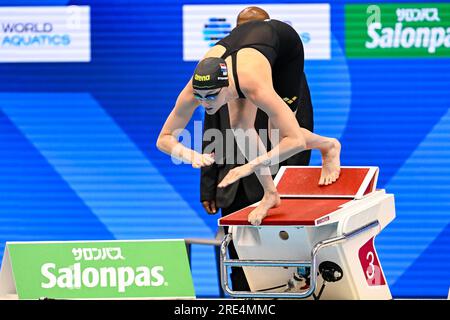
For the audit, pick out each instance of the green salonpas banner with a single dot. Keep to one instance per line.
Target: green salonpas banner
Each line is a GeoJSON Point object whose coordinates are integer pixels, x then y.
{"type": "Point", "coordinates": [397, 30]}
{"type": "Point", "coordinates": [110, 269]}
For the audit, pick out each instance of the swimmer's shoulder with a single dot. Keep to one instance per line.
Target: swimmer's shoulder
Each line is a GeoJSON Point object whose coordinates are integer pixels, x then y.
{"type": "Point", "coordinates": [217, 51]}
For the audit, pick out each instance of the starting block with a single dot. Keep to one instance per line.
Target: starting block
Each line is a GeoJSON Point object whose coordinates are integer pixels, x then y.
{"type": "Point", "coordinates": [329, 231]}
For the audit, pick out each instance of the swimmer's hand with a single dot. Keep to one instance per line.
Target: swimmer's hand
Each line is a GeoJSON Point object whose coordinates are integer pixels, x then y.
{"type": "Point", "coordinates": [236, 174]}
{"type": "Point", "coordinates": [210, 206]}
{"type": "Point", "coordinates": [202, 160]}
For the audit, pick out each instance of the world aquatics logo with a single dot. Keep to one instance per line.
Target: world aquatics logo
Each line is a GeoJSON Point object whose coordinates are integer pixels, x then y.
{"type": "Point", "coordinates": [216, 29]}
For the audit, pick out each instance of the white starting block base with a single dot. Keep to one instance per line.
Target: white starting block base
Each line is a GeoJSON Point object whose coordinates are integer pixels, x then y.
{"type": "Point", "coordinates": [291, 232]}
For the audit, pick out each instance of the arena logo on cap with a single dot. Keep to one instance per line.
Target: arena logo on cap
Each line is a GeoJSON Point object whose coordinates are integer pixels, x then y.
{"type": "Point", "coordinates": [398, 30]}
{"type": "Point", "coordinates": [45, 34]}
{"type": "Point", "coordinates": [202, 78]}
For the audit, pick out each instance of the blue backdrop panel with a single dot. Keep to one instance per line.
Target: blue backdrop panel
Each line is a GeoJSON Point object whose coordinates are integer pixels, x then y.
{"type": "Point", "coordinates": [78, 157]}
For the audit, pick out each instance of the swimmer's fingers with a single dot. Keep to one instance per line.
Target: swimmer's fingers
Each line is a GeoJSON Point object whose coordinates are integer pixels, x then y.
{"type": "Point", "coordinates": [230, 178]}
{"type": "Point", "coordinates": [202, 160]}
{"type": "Point", "coordinates": [210, 206]}
{"type": "Point", "coordinates": [206, 160]}
{"type": "Point", "coordinates": [235, 174]}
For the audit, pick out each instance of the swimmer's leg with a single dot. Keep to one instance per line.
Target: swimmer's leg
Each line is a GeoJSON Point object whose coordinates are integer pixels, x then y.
{"type": "Point", "coordinates": [242, 119]}
{"type": "Point", "coordinates": [329, 148]}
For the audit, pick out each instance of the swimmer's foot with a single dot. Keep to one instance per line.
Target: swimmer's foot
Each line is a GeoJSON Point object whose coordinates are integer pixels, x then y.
{"type": "Point", "coordinates": [331, 165]}
{"type": "Point", "coordinates": [270, 200]}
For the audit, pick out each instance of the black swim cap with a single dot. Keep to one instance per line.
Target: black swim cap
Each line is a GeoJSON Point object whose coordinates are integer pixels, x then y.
{"type": "Point", "coordinates": [210, 73]}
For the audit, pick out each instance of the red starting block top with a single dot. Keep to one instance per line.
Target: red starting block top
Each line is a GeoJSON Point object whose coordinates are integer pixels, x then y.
{"type": "Point", "coordinates": [291, 212]}
{"type": "Point", "coordinates": [304, 202]}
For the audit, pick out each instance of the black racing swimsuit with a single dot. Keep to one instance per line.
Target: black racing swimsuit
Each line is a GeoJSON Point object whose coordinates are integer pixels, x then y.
{"type": "Point", "coordinates": [282, 47]}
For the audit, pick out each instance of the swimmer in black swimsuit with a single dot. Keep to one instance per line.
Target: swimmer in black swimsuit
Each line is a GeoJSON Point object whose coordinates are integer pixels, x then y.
{"type": "Point", "coordinates": [281, 46]}
{"type": "Point", "coordinates": [266, 59]}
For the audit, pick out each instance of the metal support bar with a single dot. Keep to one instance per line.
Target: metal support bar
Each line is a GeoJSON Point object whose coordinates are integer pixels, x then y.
{"type": "Point", "coordinates": [211, 242]}
{"type": "Point", "coordinates": [266, 263]}
{"type": "Point", "coordinates": [225, 263]}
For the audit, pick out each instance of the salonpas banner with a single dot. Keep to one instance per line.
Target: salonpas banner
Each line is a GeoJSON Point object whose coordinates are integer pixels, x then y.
{"type": "Point", "coordinates": [398, 30]}
{"type": "Point", "coordinates": [113, 269]}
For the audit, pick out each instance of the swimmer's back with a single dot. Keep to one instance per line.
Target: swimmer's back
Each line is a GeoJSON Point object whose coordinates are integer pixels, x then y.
{"type": "Point", "coordinates": [276, 40]}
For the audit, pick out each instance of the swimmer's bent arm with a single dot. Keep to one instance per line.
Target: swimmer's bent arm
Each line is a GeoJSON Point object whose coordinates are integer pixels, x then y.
{"type": "Point", "coordinates": [178, 119]}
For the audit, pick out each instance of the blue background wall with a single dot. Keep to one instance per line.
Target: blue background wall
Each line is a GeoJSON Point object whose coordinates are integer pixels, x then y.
{"type": "Point", "coordinates": [78, 158]}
